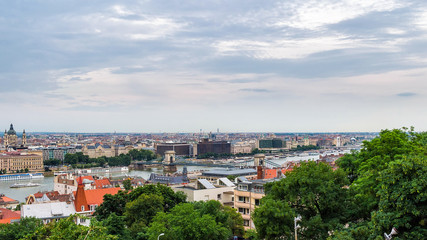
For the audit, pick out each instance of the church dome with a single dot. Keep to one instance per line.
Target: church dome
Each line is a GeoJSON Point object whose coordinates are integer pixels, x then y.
{"type": "Point", "coordinates": [11, 130]}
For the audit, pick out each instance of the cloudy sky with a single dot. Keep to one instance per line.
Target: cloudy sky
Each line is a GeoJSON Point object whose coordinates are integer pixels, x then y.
{"type": "Point", "coordinates": [182, 66]}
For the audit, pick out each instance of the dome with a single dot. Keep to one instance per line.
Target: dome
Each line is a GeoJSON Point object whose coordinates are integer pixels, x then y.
{"type": "Point", "coordinates": [11, 130]}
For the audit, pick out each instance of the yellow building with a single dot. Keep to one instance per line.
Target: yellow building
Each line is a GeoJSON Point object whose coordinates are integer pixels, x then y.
{"type": "Point", "coordinates": [247, 196]}
{"type": "Point", "coordinates": [13, 161]}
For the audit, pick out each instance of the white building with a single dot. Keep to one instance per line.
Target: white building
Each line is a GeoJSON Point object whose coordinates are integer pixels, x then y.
{"type": "Point", "coordinates": [50, 211]}
{"type": "Point", "coordinates": [203, 190]}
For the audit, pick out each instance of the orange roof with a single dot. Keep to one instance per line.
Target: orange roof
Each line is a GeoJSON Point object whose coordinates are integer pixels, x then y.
{"type": "Point", "coordinates": [96, 196]}
{"type": "Point", "coordinates": [8, 215]}
{"type": "Point", "coordinates": [7, 199]}
{"type": "Point", "coordinates": [101, 183]}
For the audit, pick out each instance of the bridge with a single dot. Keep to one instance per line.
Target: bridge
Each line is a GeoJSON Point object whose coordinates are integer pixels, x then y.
{"type": "Point", "coordinates": [182, 161]}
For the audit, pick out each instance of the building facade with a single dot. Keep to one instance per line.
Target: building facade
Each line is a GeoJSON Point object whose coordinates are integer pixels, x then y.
{"type": "Point", "coordinates": [57, 153]}
{"type": "Point", "coordinates": [218, 147]}
{"type": "Point", "coordinates": [181, 149]}
{"type": "Point", "coordinates": [247, 196]}
{"type": "Point", "coordinates": [13, 161]}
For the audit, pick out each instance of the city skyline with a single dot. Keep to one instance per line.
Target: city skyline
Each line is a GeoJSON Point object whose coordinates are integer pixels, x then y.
{"type": "Point", "coordinates": [241, 66]}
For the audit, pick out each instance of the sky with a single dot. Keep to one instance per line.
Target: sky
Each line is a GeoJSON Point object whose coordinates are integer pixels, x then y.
{"type": "Point", "coordinates": [237, 66]}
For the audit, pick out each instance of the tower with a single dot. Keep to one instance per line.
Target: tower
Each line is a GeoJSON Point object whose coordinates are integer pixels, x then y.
{"type": "Point", "coordinates": [259, 160]}
{"type": "Point", "coordinates": [24, 138]}
{"type": "Point", "coordinates": [168, 161]}
{"type": "Point", "coordinates": [169, 157]}
{"type": "Point", "coordinates": [80, 202]}
{"type": "Point", "coordinates": [5, 139]}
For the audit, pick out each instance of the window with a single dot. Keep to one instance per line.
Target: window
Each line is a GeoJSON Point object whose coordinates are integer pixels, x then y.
{"type": "Point", "coordinates": [83, 208]}
{"type": "Point", "coordinates": [257, 202]}
{"type": "Point", "coordinates": [243, 187]}
{"type": "Point", "coordinates": [82, 220]}
{"type": "Point", "coordinates": [246, 223]}
{"type": "Point", "coordinates": [243, 199]}
{"type": "Point", "coordinates": [243, 211]}
{"type": "Point", "coordinates": [218, 196]}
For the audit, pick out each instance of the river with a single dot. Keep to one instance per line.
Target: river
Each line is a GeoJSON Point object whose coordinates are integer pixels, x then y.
{"type": "Point", "coordinates": [46, 183]}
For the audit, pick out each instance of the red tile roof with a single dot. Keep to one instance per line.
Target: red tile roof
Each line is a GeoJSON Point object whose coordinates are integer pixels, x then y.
{"type": "Point", "coordinates": [101, 183]}
{"type": "Point", "coordinates": [7, 215]}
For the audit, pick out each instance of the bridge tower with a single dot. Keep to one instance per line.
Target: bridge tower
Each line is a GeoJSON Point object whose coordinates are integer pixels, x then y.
{"type": "Point", "coordinates": [259, 160]}
{"type": "Point", "coordinates": [168, 161]}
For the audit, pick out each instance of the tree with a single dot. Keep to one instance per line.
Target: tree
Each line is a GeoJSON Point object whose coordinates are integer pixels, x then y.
{"type": "Point", "coordinates": [277, 212]}
{"type": "Point", "coordinates": [115, 225]}
{"type": "Point", "coordinates": [225, 215]}
{"type": "Point", "coordinates": [403, 198]}
{"type": "Point", "coordinates": [364, 167]}
{"type": "Point", "coordinates": [184, 222]}
{"type": "Point", "coordinates": [170, 198]}
{"type": "Point", "coordinates": [315, 192]}
{"type": "Point", "coordinates": [112, 204]}
{"type": "Point", "coordinates": [67, 229]}
{"type": "Point", "coordinates": [19, 230]}
{"type": "Point", "coordinates": [143, 209]}
{"type": "Point", "coordinates": [127, 184]}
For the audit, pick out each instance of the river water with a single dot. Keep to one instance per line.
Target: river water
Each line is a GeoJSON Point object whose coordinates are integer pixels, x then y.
{"type": "Point", "coordinates": [46, 183]}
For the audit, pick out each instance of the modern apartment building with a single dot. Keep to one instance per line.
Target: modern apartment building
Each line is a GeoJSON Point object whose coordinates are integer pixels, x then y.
{"type": "Point", "coordinates": [57, 153]}
{"type": "Point", "coordinates": [247, 196]}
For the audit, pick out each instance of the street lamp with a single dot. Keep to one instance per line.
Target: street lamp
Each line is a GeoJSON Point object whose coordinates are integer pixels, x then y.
{"type": "Point", "coordinates": [296, 219]}
{"type": "Point", "coordinates": [389, 236]}
{"type": "Point", "coordinates": [161, 234]}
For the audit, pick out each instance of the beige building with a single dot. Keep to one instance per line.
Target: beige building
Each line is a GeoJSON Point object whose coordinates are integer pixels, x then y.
{"type": "Point", "coordinates": [203, 190]}
{"type": "Point", "coordinates": [243, 147]}
{"type": "Point", "coordinates": [247, 196]}
{"type": "Point", "coordinates": [98, 150]}
{"type": "Point", "coordinates": [13, 161]}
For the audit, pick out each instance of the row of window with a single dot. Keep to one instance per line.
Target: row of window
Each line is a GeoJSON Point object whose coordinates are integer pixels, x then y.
{"type": "Point", "coordinates": [246, 200]}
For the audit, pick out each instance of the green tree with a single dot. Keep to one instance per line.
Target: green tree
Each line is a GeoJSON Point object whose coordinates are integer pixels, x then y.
{"type": "Point", "coordinates": [127, 184]}
{"type": "Point", "coordinates": [19, 230]}
{"type": "Point", "coordinates": [315, 192]}
{"type": "Point", "coordinates": [112, 204]}
{"type": "Point", "coordinates": [143, 209]}
{"type": "Point", "coordinates": [67, 229]}
{"type": "Point", "coordinates": [115, 225]}
{"type": "Point", "coordinates": [225, 215]}
{"type": "Point", "coordinates": [273, 219]}
{"type": "Point", "coordinates": [403, 198]}
{"type": "Point", "coordinates": [184, 222]}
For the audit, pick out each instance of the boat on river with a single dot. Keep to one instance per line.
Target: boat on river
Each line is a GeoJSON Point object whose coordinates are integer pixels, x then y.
{"type": "Point", "coordinates": [23, 185]}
